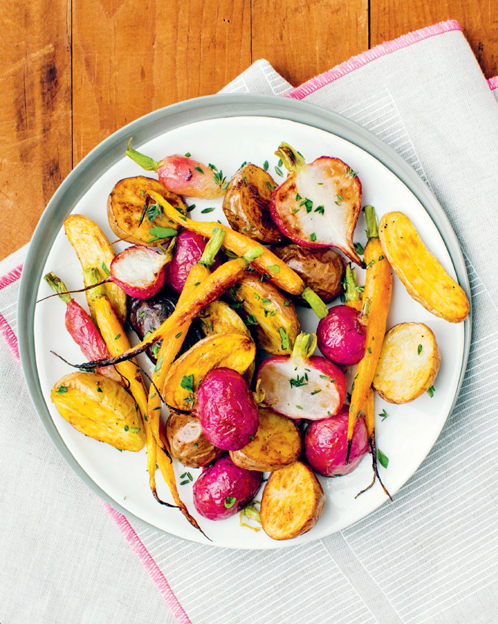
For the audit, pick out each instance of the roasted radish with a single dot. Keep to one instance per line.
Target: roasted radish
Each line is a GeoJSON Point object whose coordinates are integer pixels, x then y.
{"type": "Point", "coordinates": [341, 335]}
{"type": "Point", "coordinates": [319, 204]}
{"type": "Point", "coordinates": [302, 385]}
{"type": "Point", "coordinates": [140, 271]}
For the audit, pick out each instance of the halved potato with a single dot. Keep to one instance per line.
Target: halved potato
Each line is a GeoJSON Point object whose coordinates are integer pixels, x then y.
{"type": "Point", "coordinates": [219, 318]}
{"type": "Point", "coordinates": [101, 409]}
{"type": "Point", "coordinates": [94, 250]}
{"type": "Point", "coordinates": [129, 210]}
{"type": "Point", "coordinates": [187, 442]}
{"type": "Point", "coordinates": [234, 351]}
{"type": "Point", "coordinates": [424, 278]}
{"type": "Point", "coordinates": [276, 443]}
{"type": "Point", "coordinates": [408, 363]}
{"type": "Point", "coordinates": [272, 315]}
{"type": "Point", "coordinates": [293, 501]}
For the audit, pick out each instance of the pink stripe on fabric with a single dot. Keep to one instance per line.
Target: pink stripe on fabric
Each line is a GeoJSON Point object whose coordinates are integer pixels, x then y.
{"type": "Point", "coordinates": [493, 83]}
{"type": "Point", "coordinates": [10, 337]}
{"type": "Point", "coordinates": [11, 277]}
{"type": "Point", "coordinates": [360, 60]}
{"type": "Point", "coordinates": [149, 563]}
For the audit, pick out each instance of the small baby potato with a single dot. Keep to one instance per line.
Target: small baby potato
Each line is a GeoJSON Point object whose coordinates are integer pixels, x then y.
{"type": "Point", "coordinates": [276, 443]}
{"type": "Point", "coordinates": [187, 442]}
{"type": "Point", "coordinates": [293, 501]}
{"type": "Point", "coordinates": [101, 409]}
{"type": "Point", "coordinates": [408, 363]}
{"type": "Point", "coordinates": [219, 318]}
{"type": "Point", "coordinates": [131, 212]}
{"type": "Point", "coordinates": [272, 315]}
{"type": "Point", "coordinates": [247, 204]}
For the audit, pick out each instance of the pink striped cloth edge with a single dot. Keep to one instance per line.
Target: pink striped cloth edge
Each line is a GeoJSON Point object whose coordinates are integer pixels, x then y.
{"type": "Point", "coordinates": [299, 93]}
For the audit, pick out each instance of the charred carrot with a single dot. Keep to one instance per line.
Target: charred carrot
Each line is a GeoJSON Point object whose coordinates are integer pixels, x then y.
{"type": "Point", "coordinates": [268, 264]}
{"type": "Point", "coordinates": [378, 286]}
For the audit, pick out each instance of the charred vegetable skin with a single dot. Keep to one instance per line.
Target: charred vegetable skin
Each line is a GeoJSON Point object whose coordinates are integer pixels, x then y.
{"type": "Point", "coordinates": [146, 315]}
{"type": "Point", "coordinates": [132, 214]}
{"type": "Point", "coordinates": [321, 269]}
{"type": "Point", "coordinates": [318, 205]}
{"type": "Point", "coordinates": [247, 204]}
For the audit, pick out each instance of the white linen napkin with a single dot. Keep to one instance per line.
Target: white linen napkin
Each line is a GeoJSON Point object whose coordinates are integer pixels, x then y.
{"type": "Point", "coordinates": [431, 555]}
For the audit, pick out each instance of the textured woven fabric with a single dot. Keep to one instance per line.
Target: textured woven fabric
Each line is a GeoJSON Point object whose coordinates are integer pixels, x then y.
{"type": "Point", "coordinates": [431, 556]}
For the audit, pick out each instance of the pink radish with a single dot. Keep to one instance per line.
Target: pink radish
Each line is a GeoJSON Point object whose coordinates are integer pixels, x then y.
{"type": "Point", "coordinates": [302, 385]}
{"type": "Point", "coordinates": [140, 271]}
{"type": "Point", "coordinates": [318, 204]}
{"type": "Point", "coordinates": [188, 251]}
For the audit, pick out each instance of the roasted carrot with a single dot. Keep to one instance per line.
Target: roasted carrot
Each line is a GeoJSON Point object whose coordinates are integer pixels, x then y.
{"type": "Point", "coordinates": [378, 286]}
{"type": "Point", "coordinates": [267, 264]}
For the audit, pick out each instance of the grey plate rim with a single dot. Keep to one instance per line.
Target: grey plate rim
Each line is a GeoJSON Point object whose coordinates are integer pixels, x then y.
{"type": "Point", "coordinates": [148, 127]}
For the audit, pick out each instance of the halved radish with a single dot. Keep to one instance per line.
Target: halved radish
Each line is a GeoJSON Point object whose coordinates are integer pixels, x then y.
{"type": "Point", "coordinates": [318, 204]}
{"type": "Point", "coordinates": [139, 271]}
{"type": "Point", "coordinates": [302, 385]}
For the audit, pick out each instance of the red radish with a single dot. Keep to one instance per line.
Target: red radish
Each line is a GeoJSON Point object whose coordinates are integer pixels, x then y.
{"type": "Point", "coordinates": [302, 385]}
{"type": "Point", "coordinates": [188, 251]}
{"type": "Point", "coordinates": [140, 271]}
{"type": "Point", "coordinates": [318, 204]}
{"type": "Point", "coordinates": [184, 175]}
{"type": "Point", "coordinates": [82, 329]}
{"type": "Point", "coordinates": [341, 335]}
{"type": "Point", "coordinates": [325, 444]}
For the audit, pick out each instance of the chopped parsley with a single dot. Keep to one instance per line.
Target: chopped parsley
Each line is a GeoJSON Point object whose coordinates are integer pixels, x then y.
{"type": "Point", "coordinates": [188, 154]}
{"type": "Point", "coordinates": [207, 210]}
{"type": "Point", "coordinates": [159, 364]}
{"type": "Point", "coordinates": [275, 268]}
{"type": "Point", "coordinates": [251, 320]}
{"type": "Point", "coordinates": [320, 210]}
{"type": "Point", "coordinates": [278, 171]}
{"type": "Point", "coordinates": [383, 459]}
{"type": "Point", "coordinates": [286, 303]}
{"type": "Point", "coordinates": [312, 236]}
{"type": "Point", "coordinates": [284, 338]}
{"type": "Point", "coordinates": [229, 501]}
{"type": "Point", "coordinates": [308, 204]}
{"type": "Point", "coordinates": [299, 407]}
{"type": "Point", "coordinates": [419, 350]}
{"type": "Point", "coordinates": [178, 335]}
{"type": "Point", "coordinates": [383, 415]}
{"type": "Point", "coordinates": [431, 391]}
{"type": "Point", "coordinates": [265, 165]}
{"type": "Point", "coordinates": [187, 383]}
{"type": "Point", "coordinates": [359, 249]}
{"type": "Point", "coordinates": [105, 269]}
{"type": "Point", "coordinates": [62, 390]}
{"type": "Point", "coordinates": [298, 382]}
{"type": "Point", "coordinates": [134, 429]}
{"type": "Point", "coordinates": [199, 170]}
{"type": "Point", "coordinates": [117, 337]}
{"type": "Point", "coordinates": [315, 392]}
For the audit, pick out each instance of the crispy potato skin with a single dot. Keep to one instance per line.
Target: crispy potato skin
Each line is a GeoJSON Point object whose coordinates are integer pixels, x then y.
{"type": "Point", "coordinates": [101, 409]}
{"type": "Point", "coordinates": [293, 501]}
{"type": "Point", "coordinates": [126, 204]}
{"type": "Point", "coordinates": [276, 443]}
{"type": "Point", "coordinates": [403, 374]}
{"type": "Point", "coordinates": [321, 269]}
{"type": "Point", "coordinates": [424, 278]}
{"type": "Point", "coordinates": [187, 442]}
{"type": "Point", "coordinates": [234, 351]}
{"type": "Point", "coordinates": [247, 204]}
{"type": "Point", "coordinates": [267, 305]}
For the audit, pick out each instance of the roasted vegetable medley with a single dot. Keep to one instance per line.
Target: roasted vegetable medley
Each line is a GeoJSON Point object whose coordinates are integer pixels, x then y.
{"type": "Point", "coordinates": [236, 387]}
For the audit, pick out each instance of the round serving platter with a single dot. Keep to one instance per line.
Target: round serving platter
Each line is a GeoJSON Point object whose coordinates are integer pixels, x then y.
{"type": "Point", "coordinates": [228, 130]}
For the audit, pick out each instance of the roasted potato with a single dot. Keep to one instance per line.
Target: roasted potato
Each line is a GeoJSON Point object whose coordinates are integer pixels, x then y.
{"type": "Point", "coordinates": [220, 318]}
{"type": "Point", "coordinates": [247, 204]}
{"type": "Point", "coordinates": [408, 364]}
{"type": "Point", "coordinates": [101, 409]}
{"type": "Point", "coordinates": [276, 443]}
{"type": "Point", "coordinates": [187, 442]}
{"type": "Point", "coordinates": [131, 212]}
{"type": "Point", "coordinates": [234, 351]}
{"type": "Point", "coordinates": [268, 312]}
{"type": "Point", "coordinates": [424, 278]}
{"type": "Point", "coordinates": [94, 250]}
{"type": "Point", "coordinates": [292, 503]}
{"type": "Point", "coordinates": [322, 269]}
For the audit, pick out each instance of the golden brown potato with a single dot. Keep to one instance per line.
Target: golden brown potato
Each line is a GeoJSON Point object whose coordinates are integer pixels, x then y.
{"type": "Point", "coordinates": [292, 503]}
{"type": "Point", "coordinates": [408, 363]}
{"type": "Point", "coordinates": [131, 213]}
{"type": "Point", "coordinates": [187, 442]}
{"type": "Point", "coordinates": [101, 409]}
{"type": "Point", "coordinates": [272, 315]}
{"type": "Point", "coordinates": [94, 250]}
{"type": "Point", "coordinates": [219, 318]}
{"type": "Point", "coordinates": [424, 278]}
{"type": "Point", "coordinates": [276, 443]}
{"type": "Point", "coordinates": [234, 351]}
{"type": "Point", "coordinates": [321, 269]}
{"type": "Point", "coordinates": [247, 204]}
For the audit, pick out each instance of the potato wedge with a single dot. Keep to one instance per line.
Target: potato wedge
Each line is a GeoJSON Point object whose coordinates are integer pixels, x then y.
{"type": "Point", "coordinates": [234, 351]}
{"type": "Point", "coordinates": [187, 442]}
{"type": "Point", "coordinates": [408, 364]}
{"type": "Point", "coordinates": [101, 409]}
{"type": "Point", "coordinates": [93, 250]}
{"type": "Point", "coordinates": [268, 312]}
{"type": "Point", "coordinates": [219, 318]}
{"type": "Point", "coordinates": [292, 503]}
{"type": "Point", "coordinates": [424, 278]}
{"type": "Point", "coordinates": [277, 443]}
{"type": "Point", "coordinates": [247, 204]}
{"type": "Point", "coordinates": [131, 214]}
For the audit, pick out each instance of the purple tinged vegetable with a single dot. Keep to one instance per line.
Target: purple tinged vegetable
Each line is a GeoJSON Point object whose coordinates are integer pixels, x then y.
{"type": "Point", "coordinates": [341, 336]}
{"type": "Point", "coordinates": [188, 251]}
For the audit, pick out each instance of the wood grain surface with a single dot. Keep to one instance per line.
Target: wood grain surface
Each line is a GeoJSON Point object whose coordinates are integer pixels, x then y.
{"type": "Point", "coordinates": [75, 71]}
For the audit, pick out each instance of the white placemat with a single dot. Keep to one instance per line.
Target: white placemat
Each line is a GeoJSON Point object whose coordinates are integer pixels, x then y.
{"type": "Point", "coordinates": [431, 556]}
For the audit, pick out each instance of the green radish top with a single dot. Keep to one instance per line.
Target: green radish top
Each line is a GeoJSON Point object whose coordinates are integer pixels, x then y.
{"type": "Point", "coordinates": [212, 248]}
{"type": "Point", "coordinates": [292, 159]}
{"type": "Point", "coordinates": [352, 292]}
{"type": "Point", "coordinates": [372, 222]}
{"type": "Point", "coordinates": [58, 286]}
{"type": "Point", "coordinates": [94, 279]}
{"type": "Point", "coordinates": [147, 163]}
{"type": "Point", "coordinates": [303, 350]}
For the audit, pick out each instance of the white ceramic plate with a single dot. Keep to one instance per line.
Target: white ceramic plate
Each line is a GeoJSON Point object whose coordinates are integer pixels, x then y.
{"type": "Point", "coordinates": [405, 437]}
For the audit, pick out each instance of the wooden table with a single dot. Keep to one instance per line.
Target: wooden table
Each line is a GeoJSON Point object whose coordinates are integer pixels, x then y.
{"type": "Point", "coordinates": [74, 71]}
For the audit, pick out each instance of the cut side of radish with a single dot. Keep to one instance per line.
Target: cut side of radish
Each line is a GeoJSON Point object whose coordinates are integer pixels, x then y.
{"type": "Point", "coordinates": [139, 271]}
